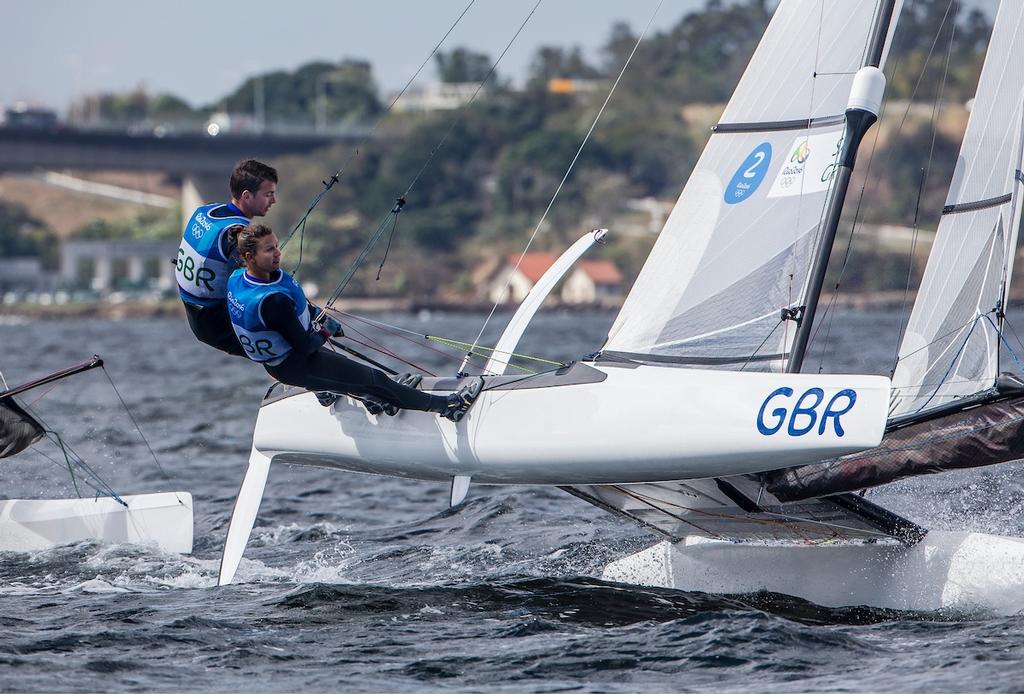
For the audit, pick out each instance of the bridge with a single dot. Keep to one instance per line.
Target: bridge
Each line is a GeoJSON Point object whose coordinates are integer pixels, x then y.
{"type": "Point", "coordinates": [198, 162]}
{"type": "Point", "coordinates": [182, 155]}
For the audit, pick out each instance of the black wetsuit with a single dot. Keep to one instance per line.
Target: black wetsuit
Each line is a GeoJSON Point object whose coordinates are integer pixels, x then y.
{"type": "Point", "coordinates": [212, 326]}
{"type": "Point", "coordinates": [312, 366]}
{"type": "Point", "coordinates": [208, 318]}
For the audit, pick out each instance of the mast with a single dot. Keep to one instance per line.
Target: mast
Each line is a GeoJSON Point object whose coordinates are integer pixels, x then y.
{"type": "Point", "coordinates": [861, 113]}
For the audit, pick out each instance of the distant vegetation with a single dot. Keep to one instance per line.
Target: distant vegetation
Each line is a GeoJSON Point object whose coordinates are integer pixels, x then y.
{"type": "Point", "coordinates": [22, 235]}
{"type": "Point", "coordinates": [149, 225]}
{"type": "Point", "coordinates": [485, 189]}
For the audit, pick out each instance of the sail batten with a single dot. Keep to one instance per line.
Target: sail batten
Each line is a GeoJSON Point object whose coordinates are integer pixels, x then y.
{"type": "Point", "coordinates": [959, 207]}
{"type": "Point", "coordinates": [775, 126]}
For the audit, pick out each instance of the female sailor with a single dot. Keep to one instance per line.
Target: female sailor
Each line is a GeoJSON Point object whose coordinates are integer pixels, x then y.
{"type": "Point", "coordinates": [275, 326]}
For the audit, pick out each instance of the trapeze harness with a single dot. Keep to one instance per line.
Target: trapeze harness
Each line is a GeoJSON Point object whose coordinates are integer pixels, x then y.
{"type": "Point", "coordinates": [202, 268]}
{"type": "Point", "coordinates": [272, 321]}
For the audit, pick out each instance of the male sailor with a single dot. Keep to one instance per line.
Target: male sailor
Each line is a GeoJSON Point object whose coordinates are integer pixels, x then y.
{"type": "Point", "coordinates": [276, 327]}
{"type": "Point", "coordinates": [207, 254]}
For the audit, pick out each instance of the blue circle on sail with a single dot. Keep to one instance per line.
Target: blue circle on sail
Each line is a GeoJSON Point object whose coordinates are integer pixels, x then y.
{"type": "Point", "coordinates": [750, 175]}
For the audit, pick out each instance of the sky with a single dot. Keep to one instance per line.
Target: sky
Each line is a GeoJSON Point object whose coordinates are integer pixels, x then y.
{"type": "Point", "coordinates": [202, 50]}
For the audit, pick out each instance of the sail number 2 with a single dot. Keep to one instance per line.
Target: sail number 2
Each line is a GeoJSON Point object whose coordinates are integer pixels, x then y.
{"type": "Point", "coordinates": [749, 175]}
{"type": "Point", "coordinates": [806, 413]}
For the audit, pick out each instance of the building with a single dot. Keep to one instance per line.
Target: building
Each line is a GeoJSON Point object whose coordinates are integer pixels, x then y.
{"type": "Point", "coordinates": [593, 282]}
{"type": "Point", "coordinates": [25, 273]}
{"type": "Point", "coordinates": [116, 264]}
{"type": "Point", "coordinates": [589, 282]}
{"type": "Point", "coordinates": [436, 97]}
{"type": "Point", "coordinates": [568, 85]}
{"type": "Point", "coordinates": [511, 284]}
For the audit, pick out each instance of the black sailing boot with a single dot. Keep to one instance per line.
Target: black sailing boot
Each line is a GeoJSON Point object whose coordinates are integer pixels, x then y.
{"type": "Point", "coordinates": [461, 400]}
{"type": "Point", "coordinates": [377, 406]}
{"type": "Point", "coordinates": [326, 397]}
{"type": "Point", "coordinates": [409, 379]}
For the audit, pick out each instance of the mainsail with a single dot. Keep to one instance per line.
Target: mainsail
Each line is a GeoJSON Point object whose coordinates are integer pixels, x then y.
{"type": "Point", "coordinates": [951, 347]}
{"type": "Point", "coordinates": [737, 247]}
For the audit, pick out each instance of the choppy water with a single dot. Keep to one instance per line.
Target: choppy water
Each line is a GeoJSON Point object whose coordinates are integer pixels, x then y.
{"type": "Point", "coordinates": [358, 583]}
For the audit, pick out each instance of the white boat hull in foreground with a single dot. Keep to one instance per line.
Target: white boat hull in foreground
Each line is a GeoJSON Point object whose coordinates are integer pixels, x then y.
{"type": "Point", "coordinates": [944, 571]}
{"type": "Point", "coordinates": [163, 519]}
{"type": "Point", "coordinates": [582, 425]}
{"type": "Point", "coordinates": [597, 424]}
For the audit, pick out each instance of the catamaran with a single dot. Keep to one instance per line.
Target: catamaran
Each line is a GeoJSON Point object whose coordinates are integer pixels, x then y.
{"type": "Point", "coordinates": [726, 458]}
{"type": "Point", "coordinates": [161, 519]}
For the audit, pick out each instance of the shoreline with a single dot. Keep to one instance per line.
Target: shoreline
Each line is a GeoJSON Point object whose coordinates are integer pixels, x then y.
{"type": "Point", "coordinates": [172, 307]}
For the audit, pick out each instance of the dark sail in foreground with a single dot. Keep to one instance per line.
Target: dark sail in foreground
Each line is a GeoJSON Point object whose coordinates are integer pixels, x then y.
{"type": "Point", "coordinates": [984, 435]}
{"type": "Point", "coordinates": [18, 429]}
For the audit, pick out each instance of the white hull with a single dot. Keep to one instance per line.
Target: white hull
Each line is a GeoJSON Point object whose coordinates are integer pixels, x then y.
{"type": "Point", "coordinates": [637, 424]}
{"type": "Point", "coordinates": [164, 520]}
{"type": "Point", "coordinates": [944, 571]}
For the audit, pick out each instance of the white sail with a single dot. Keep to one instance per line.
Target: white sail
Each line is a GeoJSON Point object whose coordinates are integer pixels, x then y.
{"type": "Point", "coordinates": [737, 248]}
{"type": "Point", "coordinates": [951, 346]}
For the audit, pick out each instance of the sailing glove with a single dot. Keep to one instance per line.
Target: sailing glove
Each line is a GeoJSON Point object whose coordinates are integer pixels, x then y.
{"type": "Point", "coordinates": [333, 327]}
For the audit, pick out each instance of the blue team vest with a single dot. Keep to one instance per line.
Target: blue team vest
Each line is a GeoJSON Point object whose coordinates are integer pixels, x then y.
{"type": "Point", "coordinates": [245, 296]}
{"type": "Point", "coordinates": [201, 269]}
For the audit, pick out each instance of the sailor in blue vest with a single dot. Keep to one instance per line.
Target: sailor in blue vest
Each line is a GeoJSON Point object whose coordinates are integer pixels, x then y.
{"type": "Point", "coordinates": [275, 327]}
{"type": "Point", "coordinates": [207, 255]}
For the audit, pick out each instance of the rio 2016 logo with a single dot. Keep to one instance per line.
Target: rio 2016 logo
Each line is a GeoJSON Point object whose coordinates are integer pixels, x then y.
{"type": "Point", "coordinates": [804, 414]}
{"type": "Point", "coordinates": [801, 153]}
{"type": "Point", "coordinates": [749, 175]}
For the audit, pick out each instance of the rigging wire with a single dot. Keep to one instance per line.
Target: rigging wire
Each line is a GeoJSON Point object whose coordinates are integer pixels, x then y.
{"type": "Point", "coordinates": [952, 363]}
{"type": "Point", "coordinates": [139, 430]}
{"type": "Point", "coordinates": [568, 171]}
{"type": "Point", "coordinates": [400, 201]}
{"type": "Point", "coordinates": [1006, 321]}
{"type": "Point", "coordinates": [403, 333]}
{"type": "Point", "coordinates": [819, 229]}
{"type": "Point", "coordinates": [472, 351]}
{"type": "Point", "coordinates": [763, 342]}
{"type": "Point", "coordinates": [463, 110]}
{"type": "Point", "coordinates": [329, 183]}
{"type": "Point", "coordinates": [1002, 338]}
{"type": "Point", "coordinates": [927, 175]}
{"type": "Point", "coordinates": [98, 484]}
{"type": "Point", "coordinates": [72, 458]}
{"type": "Point", "coordinates": [361, 258]}
{"type": "Point", "coordinates": [829, 310]}
{"type": "Point", "coordinates": [1008, 247]}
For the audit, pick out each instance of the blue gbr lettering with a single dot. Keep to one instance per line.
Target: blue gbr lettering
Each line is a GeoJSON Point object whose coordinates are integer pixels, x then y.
{"type": "Point", "coordinates": [803, 417]}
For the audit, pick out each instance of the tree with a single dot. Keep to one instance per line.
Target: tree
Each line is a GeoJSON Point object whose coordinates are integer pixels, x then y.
{"type": "Point", "coordinates": [932, 36]}
{"type": "Point", "coordinates": [554, 62]}
{"type": "Point", "coordinates": [463, 65]}
{"type": "Point", "coordinates": [151, 224]}
{"type": "Point", "coordinates": [23, 235]}
{"type": "Point", "coordinates": [131, 107]}
{"type": "Point", "coordinates": [343, 91]}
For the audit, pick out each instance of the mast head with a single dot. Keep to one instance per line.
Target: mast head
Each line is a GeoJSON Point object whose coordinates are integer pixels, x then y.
{"type": "Point", "coordinates": [867, 90]}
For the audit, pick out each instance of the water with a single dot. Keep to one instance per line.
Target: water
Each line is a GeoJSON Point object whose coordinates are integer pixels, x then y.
{"type": "Point", "coordinates": [353, 582]}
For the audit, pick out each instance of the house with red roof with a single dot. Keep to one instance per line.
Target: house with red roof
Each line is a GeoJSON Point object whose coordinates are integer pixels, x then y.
{"type": "Point", "coordinates": [516, 278]}
{"type": "Point", "coordinates": [596, 282]}
{"type": "Point", "coordinates": [588, 282]}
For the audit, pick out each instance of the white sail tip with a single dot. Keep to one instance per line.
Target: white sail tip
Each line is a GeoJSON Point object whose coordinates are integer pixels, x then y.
{"type": "Point", "coordinates": [867, 90]}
